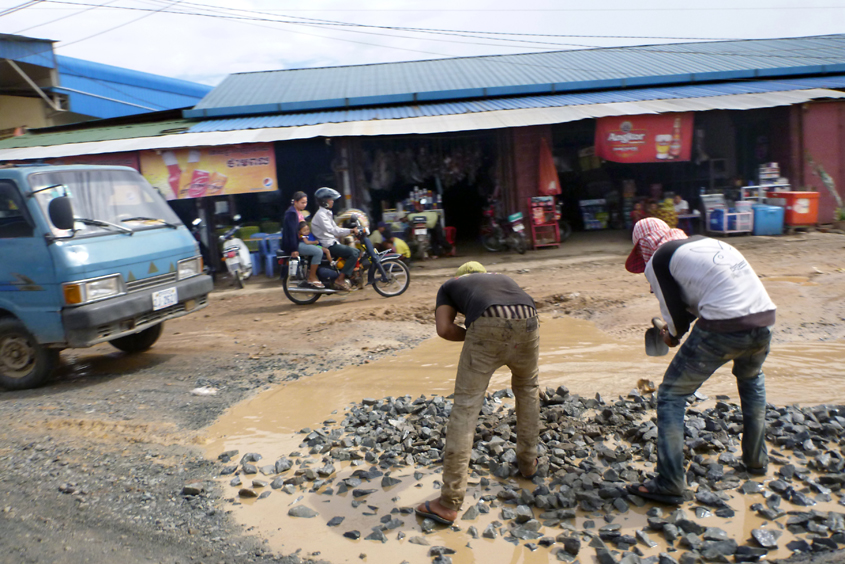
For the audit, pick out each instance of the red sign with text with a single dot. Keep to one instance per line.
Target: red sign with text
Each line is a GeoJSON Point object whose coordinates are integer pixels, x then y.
{"type": "Point", "coordinates": [656, 138]}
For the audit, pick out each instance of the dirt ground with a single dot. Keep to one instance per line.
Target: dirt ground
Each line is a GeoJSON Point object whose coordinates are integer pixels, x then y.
{"type": "Point", "coordinates": [93, 464]}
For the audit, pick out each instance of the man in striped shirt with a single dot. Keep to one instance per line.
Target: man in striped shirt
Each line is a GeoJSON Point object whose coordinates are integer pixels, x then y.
{"type": "Point", "coordinates": [502, 329]}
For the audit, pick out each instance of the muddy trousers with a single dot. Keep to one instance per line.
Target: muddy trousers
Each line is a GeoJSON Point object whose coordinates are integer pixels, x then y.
{"type": "Point", "coordinates": [698, 358]}
{"type": "Point", "coordinates": [492, 342]}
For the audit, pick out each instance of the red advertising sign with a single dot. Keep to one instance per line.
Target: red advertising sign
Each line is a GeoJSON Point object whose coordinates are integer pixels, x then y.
{"type": "Point", "coordinates": [645, 139]}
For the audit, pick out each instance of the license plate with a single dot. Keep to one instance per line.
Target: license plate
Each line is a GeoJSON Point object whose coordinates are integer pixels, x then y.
{"type": "Point", "coordinates": [164, 298]}
{"type": "Point", "coordinates": [420, 231]}
{"type": "Point", "coordinates": [233, 264]}
{"type": "Point", "coordinates": [518, 227]}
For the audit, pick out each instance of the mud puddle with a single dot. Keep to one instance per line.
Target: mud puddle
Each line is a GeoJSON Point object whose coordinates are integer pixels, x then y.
{"type": "Point", "coordinates": [573, 353]}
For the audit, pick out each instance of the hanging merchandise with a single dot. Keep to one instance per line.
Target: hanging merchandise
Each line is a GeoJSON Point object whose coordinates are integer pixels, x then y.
{"type": "Point", "coordinates": [646, 138]}
{"type": "Point", "coordinates": [549, 182]}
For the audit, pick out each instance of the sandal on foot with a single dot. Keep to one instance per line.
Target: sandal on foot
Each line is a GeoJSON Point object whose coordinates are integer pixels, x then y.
{"type": "Point", "coordinates": [316, 284]}
{"type": "Point", "coordinates": [429, 514]}
{"type": "Point", "coordinates": [652, 494]}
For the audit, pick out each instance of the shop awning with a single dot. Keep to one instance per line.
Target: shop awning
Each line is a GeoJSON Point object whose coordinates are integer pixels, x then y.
{"type": "Point", "coordinates": [458, 116]}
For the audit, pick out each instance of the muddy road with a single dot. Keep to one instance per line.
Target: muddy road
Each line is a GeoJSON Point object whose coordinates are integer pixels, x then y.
{"type": "Point", "coordinates": [94, 465]}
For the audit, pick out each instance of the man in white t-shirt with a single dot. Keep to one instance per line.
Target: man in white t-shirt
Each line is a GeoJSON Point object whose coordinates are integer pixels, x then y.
{"type": "Point", "coordinates": [708, 280]}
{"type": "Point", "coordinates": [681, 205]}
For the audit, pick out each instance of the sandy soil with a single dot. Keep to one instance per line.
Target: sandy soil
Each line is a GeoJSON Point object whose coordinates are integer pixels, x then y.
{"type": "Point", "coordinates": [123, 432]}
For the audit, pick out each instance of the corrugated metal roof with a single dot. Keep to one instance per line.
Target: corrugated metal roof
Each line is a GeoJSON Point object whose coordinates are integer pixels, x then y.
{"type": "Point", "coordinates": [422, 125]}
{"type": "Point", "coordinates": [505, 75]}
{"type": "Point", "coordinates": [105, 91]}
{"type": "Point", "coordinates": [27, 50]}
{"type": "Point", "coordinates": [516, 103]}
{"type": "Point", "coordinates": [93, 134]}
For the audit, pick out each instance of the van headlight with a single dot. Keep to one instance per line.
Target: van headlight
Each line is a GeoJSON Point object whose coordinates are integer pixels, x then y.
{"type": "Point", "coordinates": [190, 267]}
{"type": "Point", "coordinates": [85, 291]}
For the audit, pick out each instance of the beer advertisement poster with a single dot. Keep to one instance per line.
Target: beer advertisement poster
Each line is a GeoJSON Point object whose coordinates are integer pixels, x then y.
{"type": "Point", "coordinates": [646, 138]}
{"type": "Point", "coordinates": [210, 171]}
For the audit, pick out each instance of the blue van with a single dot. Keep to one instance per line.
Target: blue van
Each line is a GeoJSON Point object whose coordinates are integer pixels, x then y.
{"type": "Point", "coordinates": [88, 254]}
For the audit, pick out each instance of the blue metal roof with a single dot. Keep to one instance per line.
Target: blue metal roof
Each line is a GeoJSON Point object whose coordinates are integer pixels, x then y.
{"type": "Point", "coordinates": [516, 103]}
{"type": "Point", "coordinates": [105, 91]}
{"type": "Point", "coordinates": [508, 75]}
{"type": "Point", "coordinates": [27, 50]}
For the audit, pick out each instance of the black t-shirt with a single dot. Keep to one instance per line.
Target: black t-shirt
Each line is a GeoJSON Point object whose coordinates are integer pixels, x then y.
{"type": "Point", "coordinates": [474, 293]}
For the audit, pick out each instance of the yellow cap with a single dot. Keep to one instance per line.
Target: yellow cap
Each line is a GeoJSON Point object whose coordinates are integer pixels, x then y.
{"type": "Point", "coordinates": [470, 268]}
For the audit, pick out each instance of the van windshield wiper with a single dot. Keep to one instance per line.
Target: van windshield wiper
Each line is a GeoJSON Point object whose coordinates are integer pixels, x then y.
{"type": "Point", "coordinates": [101, 223]}
{"type": "Point", "coordinates": [142, 218]}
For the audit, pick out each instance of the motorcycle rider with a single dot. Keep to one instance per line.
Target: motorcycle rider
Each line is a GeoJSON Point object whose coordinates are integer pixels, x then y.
{"type": "Point", "coordinates": [327, 232]}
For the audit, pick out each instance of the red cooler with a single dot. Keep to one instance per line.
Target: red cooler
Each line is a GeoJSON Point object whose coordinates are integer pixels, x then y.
{"type": "Point", "coordinates": [802, 208]}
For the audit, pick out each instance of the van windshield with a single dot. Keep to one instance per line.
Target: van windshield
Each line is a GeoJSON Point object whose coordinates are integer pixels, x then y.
{"type": "Point", "coordinates": [104, 201]}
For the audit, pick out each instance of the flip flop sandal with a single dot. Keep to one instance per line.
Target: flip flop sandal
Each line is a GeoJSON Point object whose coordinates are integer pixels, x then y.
{"type": "Point", "coordinates": [429, 514]}
{"type": "Point", "coordinates": [666, 499]}
{"type": "Point", "coordinates": [319, 285]}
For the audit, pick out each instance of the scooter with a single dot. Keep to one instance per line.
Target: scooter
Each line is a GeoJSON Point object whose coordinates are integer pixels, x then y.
{"type": "Point", "coordinates": [236, 255]}
{"type": "Point", "coordinates": [498, 235]}
{"type": "Point", "coordinates": [392, 279]}
{"type": "Point", "coordinates": [420, 239]}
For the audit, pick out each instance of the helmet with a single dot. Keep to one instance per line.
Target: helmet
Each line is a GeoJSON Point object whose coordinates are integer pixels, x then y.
{"type": "Point", "coordinates": [325, 193]}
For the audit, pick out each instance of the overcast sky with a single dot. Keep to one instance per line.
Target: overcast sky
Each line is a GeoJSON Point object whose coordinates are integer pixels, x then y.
{"type": "Point", "coordinates": [252, 35]}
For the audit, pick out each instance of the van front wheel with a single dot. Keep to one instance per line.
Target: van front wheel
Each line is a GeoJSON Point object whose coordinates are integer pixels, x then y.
{"type": "Point", "coordinates": [23, 362]}
{"type": "Point", "coordinates": [139, 342]}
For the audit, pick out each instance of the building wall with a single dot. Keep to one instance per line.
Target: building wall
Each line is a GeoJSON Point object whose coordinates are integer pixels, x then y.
{"type": "Point", "coordinates": [17, 111]}
{"type": "Point", "coordinates": [823, 149]}
{"type": "Point", "coordinates": [525, 154]}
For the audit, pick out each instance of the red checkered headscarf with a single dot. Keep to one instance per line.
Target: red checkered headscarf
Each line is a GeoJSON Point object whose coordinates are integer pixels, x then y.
{"type": "Point", "coordinates": [649, 234]}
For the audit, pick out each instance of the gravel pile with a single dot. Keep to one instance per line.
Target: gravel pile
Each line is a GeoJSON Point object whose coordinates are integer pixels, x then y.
{"type": "Point", "coordinates": [590, 449]}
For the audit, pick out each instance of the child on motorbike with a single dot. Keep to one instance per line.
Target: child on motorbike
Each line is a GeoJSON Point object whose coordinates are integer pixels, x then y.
{"type": "Point", "coordinates": [308, 238]}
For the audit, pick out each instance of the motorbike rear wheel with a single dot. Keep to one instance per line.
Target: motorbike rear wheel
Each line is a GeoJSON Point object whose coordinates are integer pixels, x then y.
{"type": "Point", "coordinates": [400, 279]}
{"type": "Point", "coordinates": [565, 230]}
{"type": "Point", "coordinates": [299, 298]}
{"type": "Point", "coordinates": [238, 279]}
{"type": "Point", "coordinates": [518, 243]}
{"type": "Point", "coordinates": [492, 242]}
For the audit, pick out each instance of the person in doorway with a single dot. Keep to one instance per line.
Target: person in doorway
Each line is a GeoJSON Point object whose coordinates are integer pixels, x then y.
{"type": "Point", "coordinates": [502, 329]}
{"type": "Point", "coordinates": [327, 232]}
{"type": "Point", "coordinates": [700, 277]}
{"type": "Point", "coordinates": [291, 243]}
{"type": "Point", "coordinates": [681, 205]}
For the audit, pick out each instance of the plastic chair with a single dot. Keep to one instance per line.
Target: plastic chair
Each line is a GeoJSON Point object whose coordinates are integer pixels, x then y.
{"type": "Point", "coordinates": [271, 244]}
{"type": "Point", "coordinates": [254, 245]}
{"type": "Point", "coordinates": [249, 234]}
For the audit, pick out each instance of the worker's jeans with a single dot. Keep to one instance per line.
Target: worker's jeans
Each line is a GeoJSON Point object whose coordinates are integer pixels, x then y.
{"type": "Point", "coordinates": [700, 355]}
{"type": "Point", "coordinates": [492, 342]}
{"type": "Point", "coordinates": [349, 255]}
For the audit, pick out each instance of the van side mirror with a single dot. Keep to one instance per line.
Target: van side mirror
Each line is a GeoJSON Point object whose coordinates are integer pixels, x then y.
{"type": "Point", "coordinates": [61, 212]}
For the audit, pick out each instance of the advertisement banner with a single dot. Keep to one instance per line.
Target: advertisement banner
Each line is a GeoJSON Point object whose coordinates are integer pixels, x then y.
{"type": "Point", "coordinates": [645, 139]}
{"type": "Point", "coordinates": [211, 171]}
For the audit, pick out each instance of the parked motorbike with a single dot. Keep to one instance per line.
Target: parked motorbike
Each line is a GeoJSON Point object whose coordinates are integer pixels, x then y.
{"type": "Point", "coordinates": [499, 235]}
{"type": "Point", "coordinates": [196, 229]}
{"type": "Point", "coordinates": [564, 227]}
{"type": "Point", "coordinates": [420, 240]}
{"type": "Point", "coordinates": [236, 255]}
{"type": "Point", "coordinates": [391, 280]}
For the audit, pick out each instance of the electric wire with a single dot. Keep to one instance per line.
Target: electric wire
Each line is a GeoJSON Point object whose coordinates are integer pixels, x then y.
{"type": "Point", "coordinates": [63, 44]}
{"type": "Point", "coordinates": [65, 16]}
{"type": "Point", "coordinates": [19, 7]}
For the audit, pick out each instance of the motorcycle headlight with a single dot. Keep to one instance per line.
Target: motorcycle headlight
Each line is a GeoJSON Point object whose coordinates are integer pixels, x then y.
{"type": "Point", "coordinates": [85, 291]}
{"type": "Point", "coordinates": [190, 267]}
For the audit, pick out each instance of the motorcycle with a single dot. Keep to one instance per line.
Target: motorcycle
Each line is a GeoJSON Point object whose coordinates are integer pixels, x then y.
{"type": "Point", "coordinates": [392, 279]}
{"type": "Point", "coordinates": [498, 235]}
{"type": "Point", "coordinates": [420, 239]}
{"type": "Point", "coordinates": [236, 255]}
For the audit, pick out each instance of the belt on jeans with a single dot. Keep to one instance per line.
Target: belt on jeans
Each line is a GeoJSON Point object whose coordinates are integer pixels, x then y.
{"type": "Point", "coordinates": [510, 311]}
